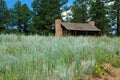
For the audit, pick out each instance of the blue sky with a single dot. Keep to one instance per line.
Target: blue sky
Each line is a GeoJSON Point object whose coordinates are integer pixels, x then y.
{"type": "Point", "coordinates": [10, 3]}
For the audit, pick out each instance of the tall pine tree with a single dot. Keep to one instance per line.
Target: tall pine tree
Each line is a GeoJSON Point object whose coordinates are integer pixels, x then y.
{"type": "Point", "coordinates": [116, 16]}
{"type": "Point", "coordinates": [4, 14]}
{"type": "Point", "coordinates": [21, 16]}
{"type": "Point", "coordinates": [45, 13]}
{"type": "Point", "coordinates": [98, 13]}
{"type": "Point", "coordinates": [80, 11]}
{"type": "Point", "coordinates": [24, 17]}
{"type": "Point", "coordinates": [16, 15]}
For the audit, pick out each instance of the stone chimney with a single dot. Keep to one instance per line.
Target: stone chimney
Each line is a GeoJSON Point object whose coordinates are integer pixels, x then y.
{"type": "Point", "coordinates": [92, 23]}
{"type": "Point", "coordinates": [58, 28]}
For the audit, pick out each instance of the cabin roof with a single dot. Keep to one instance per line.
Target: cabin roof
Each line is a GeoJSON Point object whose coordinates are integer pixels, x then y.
{"type": "Point", "coordinates": [79, 26]}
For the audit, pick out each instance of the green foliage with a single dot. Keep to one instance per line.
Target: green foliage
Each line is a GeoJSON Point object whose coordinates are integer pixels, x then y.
{"type": "Point", "coordinates": [97, 70]}
{"type": "Point", "coordinates": [100, 69]}
{"type": "Point", "coordinates": [21, 16]}
{"type": "Point", "coordinates": [116, 16]}
{"type": "Point", "coordinates": [45, 13]}
{"type": "Point", "coordinates": [98, 12]}
{"type": "Point", "coordinates": [80, 12]}
{"type": "Point", "coordinates": [115, 61]}
{"type": "Point", "coordinates": [4, 15]}
{"type": "Point", "coordinates": [16, 14]}
{"type": "Point", "coordinates": [24, 17]}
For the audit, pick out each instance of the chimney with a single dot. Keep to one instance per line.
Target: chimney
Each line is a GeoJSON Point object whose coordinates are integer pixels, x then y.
{"type": "Point", "coordinates": [58, 28]}
{"type": "Point", "coordinates": [92, 23]}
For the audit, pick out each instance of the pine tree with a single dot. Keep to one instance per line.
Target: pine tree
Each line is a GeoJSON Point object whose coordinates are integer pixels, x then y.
{"type": "Point", "coordinates": [45, 13]}
{"type": "Point", "coordinates": [116, 16]}
{"type": "Point", "coordinates": [16, 16]}
{"type": "Point", "coordinates": [80, 11]}
{"type": "Point", "coordinates": [21, 16]}
{"type": "Point", "coordinates": [24, 17]}
{"type": "Point", "coordinates": [98, 12]}
{"type": "Point", "coordinates": [4, 14]}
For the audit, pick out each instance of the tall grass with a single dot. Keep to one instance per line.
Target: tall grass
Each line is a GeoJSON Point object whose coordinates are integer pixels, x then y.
{"type": "Point", "coordinates": [51, 58]}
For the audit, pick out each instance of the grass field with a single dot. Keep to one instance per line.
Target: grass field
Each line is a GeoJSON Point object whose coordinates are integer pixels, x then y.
{"type": "Point", "coordinates": [51, 58]}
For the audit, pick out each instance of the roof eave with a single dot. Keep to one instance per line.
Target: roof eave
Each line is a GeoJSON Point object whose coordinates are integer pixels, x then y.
{"type": "Point", "coordinates": [83, 30]}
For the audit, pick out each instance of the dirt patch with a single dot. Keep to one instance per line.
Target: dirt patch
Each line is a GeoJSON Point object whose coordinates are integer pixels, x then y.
{"type": "Point", "coordinates": [117, 73]}
{"type": "Point", "coordinates": [113, 75]}
{"type": "Point", "coordinates": [1, 78]}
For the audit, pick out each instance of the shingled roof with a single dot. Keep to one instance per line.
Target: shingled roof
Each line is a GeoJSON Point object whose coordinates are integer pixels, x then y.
{"type": "Point", "coordinates": [79, 26]}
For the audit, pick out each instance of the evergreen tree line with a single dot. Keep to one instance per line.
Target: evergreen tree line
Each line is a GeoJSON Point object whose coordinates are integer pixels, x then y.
{"type": "Point", "coordinates": [41, 17]}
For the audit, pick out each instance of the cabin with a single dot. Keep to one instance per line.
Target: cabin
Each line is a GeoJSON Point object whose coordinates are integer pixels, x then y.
{"type": "Point", "coordinates": [75, 29]}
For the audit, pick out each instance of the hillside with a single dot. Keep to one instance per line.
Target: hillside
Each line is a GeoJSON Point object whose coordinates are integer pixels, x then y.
{"type": "Point", "coordinates": [51, 58]}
